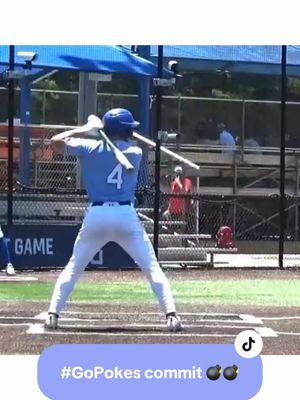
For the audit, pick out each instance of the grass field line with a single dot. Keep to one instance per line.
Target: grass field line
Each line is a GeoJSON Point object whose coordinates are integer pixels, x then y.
{"type": "Point", "coordinates": [18, 279]}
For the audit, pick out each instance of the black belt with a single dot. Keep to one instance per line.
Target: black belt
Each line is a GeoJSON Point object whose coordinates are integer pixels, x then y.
{"type": "Point", "coordinates": [121, 203]}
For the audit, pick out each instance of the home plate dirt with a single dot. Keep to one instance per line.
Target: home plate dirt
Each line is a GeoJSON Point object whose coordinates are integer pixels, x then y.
{"type": "Point", "coordinates": [22, 330]}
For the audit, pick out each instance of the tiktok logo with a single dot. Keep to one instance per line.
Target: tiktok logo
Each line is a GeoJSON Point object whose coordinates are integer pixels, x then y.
{"type": "Point", "coordinates": [248, 344]}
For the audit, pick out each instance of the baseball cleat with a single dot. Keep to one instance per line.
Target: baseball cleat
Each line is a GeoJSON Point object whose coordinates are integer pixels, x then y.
{"type": "Point", "coordinates": [10, 271]}
{"type": "Point", "coordinates": [51, 321]}
{"type": "Point", "coordinates": [174, 323]}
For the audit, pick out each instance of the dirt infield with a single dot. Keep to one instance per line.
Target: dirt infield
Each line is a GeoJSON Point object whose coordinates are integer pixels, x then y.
{"type": "Point", "coordinates": [22, 331]}
{"type": "Point", "coordinates": [175, 274]}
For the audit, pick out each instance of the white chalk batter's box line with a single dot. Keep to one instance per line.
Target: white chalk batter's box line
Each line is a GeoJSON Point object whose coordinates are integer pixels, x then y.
{"type": "Point", "coordinates": [88, 323]}
{"type": "Point", "coordinates": [85, 323]}
{"type": "Point", "coordinates": [209, 317]}
{"type": "Point", "coordinates": [149, 323]}
{"type": "Point", "coordinates": [38, 329]}
{"type": "Point", "coordinates": [263, 331]}
{"type": "Point", "coordinates": [243, 318]}
{"type": "Point", "coordinates": [147, 313]}
{"type": "Point", "coordinates": [132, 329]}
{"type": "Point", "coordinates": [238, 318]}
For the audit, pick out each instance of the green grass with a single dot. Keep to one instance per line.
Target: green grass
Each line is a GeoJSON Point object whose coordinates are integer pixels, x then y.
{"type": "Point", "coordinates": [243, 292]}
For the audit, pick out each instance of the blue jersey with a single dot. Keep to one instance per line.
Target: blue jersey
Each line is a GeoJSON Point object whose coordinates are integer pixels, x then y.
{"type": "Point", "coordinates": [226, 139]}
{"type": "Point", "coordinates": [104, 177]}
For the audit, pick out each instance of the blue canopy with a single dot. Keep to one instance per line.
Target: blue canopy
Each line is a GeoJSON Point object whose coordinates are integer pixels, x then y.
{"type": "Point", "coordinates": [249, 59]}
{"type": "Point", "coordinates": [104, 59]}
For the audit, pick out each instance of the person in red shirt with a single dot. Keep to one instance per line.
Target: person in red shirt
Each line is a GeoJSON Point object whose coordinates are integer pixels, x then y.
{"type": "Point", "coordinates": [179, 207]}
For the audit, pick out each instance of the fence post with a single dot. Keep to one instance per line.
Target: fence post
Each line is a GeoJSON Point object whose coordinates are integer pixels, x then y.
{"type": "Point", "coordinates": [44, 107]}
{"type": "Point", "coordinates": [10, 160]}
{"type": "Point", "coordinates": [179, 114]}
{"type": "Point", "coordinates": [243, 130]}
{"type": "Point", "coordinates": [158, 90]}
{"type": "Point", "coordinates": [24, 173]}
{"type": "Point", "coordinates": [282, 157]}
{"type": "Point", "coordinates": [87, 104]}
{"type": "Point", "coordinates": [144, 116]}
{"type": "Point", "coordinates": [234, 217]}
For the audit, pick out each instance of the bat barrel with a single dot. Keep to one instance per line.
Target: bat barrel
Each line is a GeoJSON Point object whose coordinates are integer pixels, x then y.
{"type": "Point", "coordinates": [166, 151]}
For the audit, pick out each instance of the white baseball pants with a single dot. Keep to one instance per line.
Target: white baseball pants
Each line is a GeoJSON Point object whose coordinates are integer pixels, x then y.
{"type": "Point", "coordinates": [120, 224]}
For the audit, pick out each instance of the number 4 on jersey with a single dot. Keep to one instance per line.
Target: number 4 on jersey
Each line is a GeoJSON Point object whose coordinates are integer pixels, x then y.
{"type": "Point", "coordinates": [115, 176]}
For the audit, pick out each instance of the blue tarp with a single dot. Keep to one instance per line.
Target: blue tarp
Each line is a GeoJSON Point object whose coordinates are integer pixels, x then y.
{"type": "Point", "coordinates": [119, 59]}
{"type": "Point", "coordinates": [249, 59]}
{"type": "Point", "coordinates": [255, 54]}
{"type": "Point", "coordinates": [104, 59]}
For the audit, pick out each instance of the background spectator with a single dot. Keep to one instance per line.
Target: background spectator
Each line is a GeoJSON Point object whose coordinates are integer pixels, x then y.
{"type": "Point", "coordinates": [180, 208]}
{"type": "Point", "coordinates": [225, 137]}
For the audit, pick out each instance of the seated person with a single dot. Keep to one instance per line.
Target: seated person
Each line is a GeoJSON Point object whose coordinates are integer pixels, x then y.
{"type": "Point", "coordinates": [225, 137]}
{"type": "Point", "coordinates": [251, 142]}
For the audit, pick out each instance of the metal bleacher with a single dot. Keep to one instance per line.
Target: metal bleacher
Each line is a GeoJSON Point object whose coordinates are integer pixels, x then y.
{"type": "Point", "coordinates": [247, 171]}
{"type": "Point", "coordinates": [182, 249]}
{"type": "Point", "coordinates": [174, 247]}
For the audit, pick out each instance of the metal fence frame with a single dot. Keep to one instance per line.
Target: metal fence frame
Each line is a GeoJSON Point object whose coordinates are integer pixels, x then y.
{"type": "Point", "coordinates": [179, 100]}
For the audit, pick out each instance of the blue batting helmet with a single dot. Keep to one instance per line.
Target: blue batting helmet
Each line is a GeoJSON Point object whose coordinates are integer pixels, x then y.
{"type": "Point", "coordinates": [119, 122]}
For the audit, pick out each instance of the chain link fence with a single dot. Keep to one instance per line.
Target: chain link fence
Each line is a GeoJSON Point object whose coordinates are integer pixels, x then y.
{"type": "Point", "coordinates": [192, 226]}
{"type": "Point", "coordinates": [53, 191]}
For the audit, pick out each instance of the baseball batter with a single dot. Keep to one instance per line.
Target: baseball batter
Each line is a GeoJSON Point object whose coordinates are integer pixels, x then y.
{"type": "Point", "coordinates": [111, 215]}
{"type": "Point", "coordinates": [5, 251]}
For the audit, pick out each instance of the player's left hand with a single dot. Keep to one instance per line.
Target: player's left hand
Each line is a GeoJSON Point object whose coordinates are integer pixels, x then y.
{"type": "Point", "coordinates": [95, 123]}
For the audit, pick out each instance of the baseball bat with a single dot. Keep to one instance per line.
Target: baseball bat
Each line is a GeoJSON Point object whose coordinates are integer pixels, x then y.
{"type": "Point", "coordinates": [135, 135]}
{"type": "Point", "coordinates": [166, 151]}
{"type": "Point", "coordinates": [89, 126]}
{"type": "Point", "coordinates": [117, 152]}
